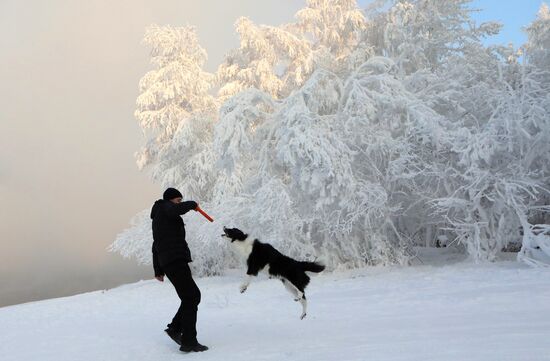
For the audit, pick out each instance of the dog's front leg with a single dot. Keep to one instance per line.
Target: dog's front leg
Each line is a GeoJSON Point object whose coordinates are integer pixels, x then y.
{"type": "Point", "coordinates": [246, 283]}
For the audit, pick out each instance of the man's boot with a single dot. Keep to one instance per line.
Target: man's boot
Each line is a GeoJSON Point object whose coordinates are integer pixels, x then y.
{"type": "Point", "coordinates": [197, 347]}
{"type": "Point", "coordinates": [174, 335]}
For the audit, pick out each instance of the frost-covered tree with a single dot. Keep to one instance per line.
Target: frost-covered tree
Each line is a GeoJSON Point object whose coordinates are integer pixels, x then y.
{"type": "Point", "coordinates": [252, 64]}
{"type": "Point", "coordinates": [538, 46]}
{"type": "Point", "coordinates": [277, 60]}
{"type": "Point", "coordinates": [422, 34]}
{"type": "Point", "coordinates": [175, 110]}
{"type": "Point", "coordinates": [274, 60]}
{"type": "Point", "coordinates": [534, 105]}
{"type": "Point", "coordinates": [334, 29]}
{"type": "Point", "coordinates": [353, 137]}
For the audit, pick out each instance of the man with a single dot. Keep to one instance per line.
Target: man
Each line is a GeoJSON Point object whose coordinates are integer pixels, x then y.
{"type": "Point", "coordinates": [171, 256]}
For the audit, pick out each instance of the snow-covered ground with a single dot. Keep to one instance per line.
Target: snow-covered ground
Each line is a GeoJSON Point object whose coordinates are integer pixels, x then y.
{"type": "Point", "coordinates": [460, 312]}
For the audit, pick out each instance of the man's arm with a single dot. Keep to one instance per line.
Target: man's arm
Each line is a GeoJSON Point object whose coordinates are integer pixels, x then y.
{"type": "Point", "coordinates": [159, 273]}
{"type": "Point", "coordinates": [175, 209]}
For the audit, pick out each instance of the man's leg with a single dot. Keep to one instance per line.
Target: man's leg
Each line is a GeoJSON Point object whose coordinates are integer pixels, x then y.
{"type": "Point", "coordinates": [174, 328]}
{"type": "Point", "coordinates": [186, 318]}
{"type": "Point", "coordinates": [175, 325]}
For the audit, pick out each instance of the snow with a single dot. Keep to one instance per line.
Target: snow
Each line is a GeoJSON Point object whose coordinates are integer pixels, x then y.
{"type": "Point", "coordinates": [498, 311]}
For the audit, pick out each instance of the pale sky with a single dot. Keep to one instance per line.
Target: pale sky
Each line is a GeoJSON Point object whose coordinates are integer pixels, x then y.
{"type": "Point", "coordinates": [68, 182]}
{"type": "Point", "coordinates": [513, 14]}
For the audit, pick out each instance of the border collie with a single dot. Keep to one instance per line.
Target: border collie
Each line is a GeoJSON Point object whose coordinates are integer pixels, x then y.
{"type": "Point", "coordinates": [258, 255]}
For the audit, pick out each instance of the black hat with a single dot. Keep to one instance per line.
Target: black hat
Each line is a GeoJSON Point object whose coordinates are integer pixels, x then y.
{"type": "Point", "coordinates": [171, 193]}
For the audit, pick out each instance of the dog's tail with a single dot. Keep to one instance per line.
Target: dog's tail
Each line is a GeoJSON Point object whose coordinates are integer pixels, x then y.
{"type": "Point", "coordinates": [315, 267]}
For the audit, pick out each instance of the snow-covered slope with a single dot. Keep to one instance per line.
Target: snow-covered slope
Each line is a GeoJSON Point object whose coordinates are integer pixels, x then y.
{"type": "Point", "coordinates": [459, 312]}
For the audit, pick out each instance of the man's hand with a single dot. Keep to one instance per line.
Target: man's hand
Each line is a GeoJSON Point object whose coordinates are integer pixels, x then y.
{"type": "Point", "coordinates": [160, 278]}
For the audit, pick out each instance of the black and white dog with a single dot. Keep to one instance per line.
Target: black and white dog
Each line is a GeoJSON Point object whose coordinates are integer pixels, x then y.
{"type": "Point", "coordinates": [263, 256]}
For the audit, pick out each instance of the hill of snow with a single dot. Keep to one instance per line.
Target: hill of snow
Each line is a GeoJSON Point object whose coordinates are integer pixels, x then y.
{"type": "Point", "coordinates": [460, 312]}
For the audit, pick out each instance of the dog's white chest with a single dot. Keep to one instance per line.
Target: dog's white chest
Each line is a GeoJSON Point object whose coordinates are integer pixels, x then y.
{"type": "Point", "coordinates": [244, 248]}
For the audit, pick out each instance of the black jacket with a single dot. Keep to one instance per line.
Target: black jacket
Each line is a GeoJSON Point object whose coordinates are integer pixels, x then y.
{"type": "Point", "coordinates": [169, 233]}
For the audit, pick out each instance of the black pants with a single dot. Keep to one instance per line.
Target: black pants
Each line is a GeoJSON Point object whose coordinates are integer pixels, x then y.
{"type": "Point", "coordinates": [185, 320]}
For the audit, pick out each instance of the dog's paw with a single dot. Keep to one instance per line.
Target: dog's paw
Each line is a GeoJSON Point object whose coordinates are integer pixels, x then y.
{"type": "Point", "coordinates": [243, 288]}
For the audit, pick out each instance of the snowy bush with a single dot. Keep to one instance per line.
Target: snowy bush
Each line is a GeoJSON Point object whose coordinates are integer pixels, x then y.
{"type": "Point", "coordinates": [352, 136]}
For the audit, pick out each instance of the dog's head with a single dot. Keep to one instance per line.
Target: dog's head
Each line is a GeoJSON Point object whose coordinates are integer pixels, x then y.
{"type": "Point", "coordinates": [234, 234]}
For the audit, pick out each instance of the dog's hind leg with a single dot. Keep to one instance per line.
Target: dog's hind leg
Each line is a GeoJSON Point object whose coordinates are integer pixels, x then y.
{"type": "Point", "coordinates": [303, 301]}
{"type": "Point", "coordinates": [292, 289]}
{"type": "Point", "coordinates": [298, 296]}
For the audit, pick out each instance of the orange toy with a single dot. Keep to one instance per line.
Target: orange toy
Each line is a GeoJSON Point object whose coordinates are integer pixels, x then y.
{"type": "Point", "coordinates": [198, 209]}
